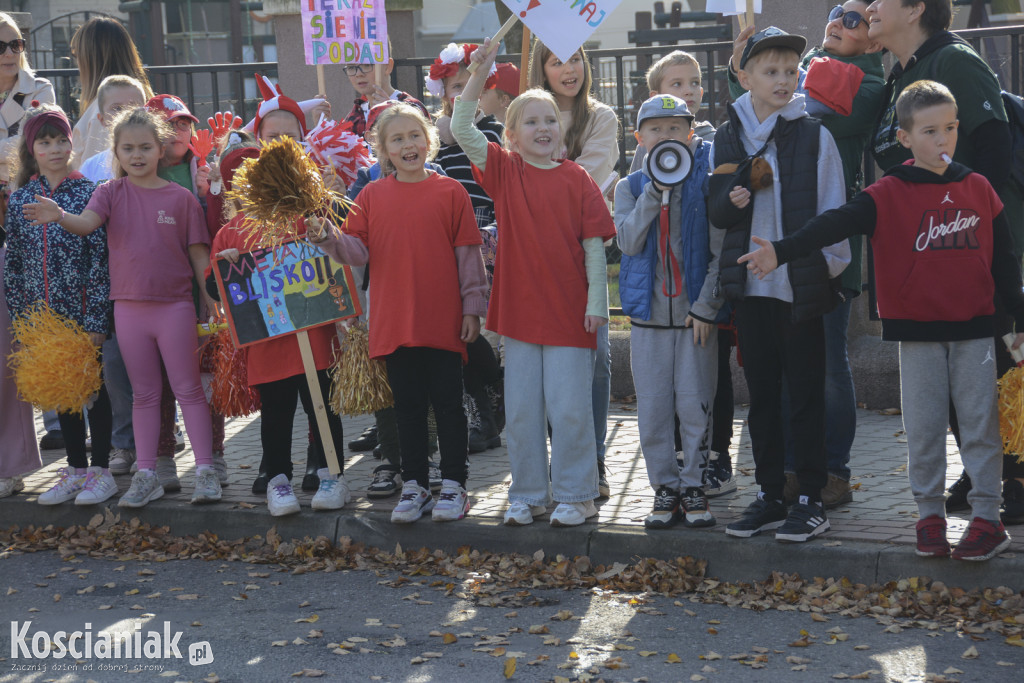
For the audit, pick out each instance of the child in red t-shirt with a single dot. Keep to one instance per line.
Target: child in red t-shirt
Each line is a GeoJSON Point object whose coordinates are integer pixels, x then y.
{"type": "Point", "coordinates": [549, 298]}
{"type": "Point", "coordinates": [428, 294]}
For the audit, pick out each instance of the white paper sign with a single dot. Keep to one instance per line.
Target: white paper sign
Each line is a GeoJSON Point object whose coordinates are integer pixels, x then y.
{"type": "Point", "coordinates": [731, 7]}
{"type": "Point", "coordinates": [562, 25]}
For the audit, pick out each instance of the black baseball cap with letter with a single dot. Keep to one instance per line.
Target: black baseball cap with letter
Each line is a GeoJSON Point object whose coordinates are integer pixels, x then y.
{"type": "Point", "coordinates": [771, 37]}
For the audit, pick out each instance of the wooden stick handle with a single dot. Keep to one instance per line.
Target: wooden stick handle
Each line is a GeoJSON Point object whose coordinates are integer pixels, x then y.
{"type": "Point", "coordinates": [498, 36]}
{"type": "Point", "coordinates": [319, 406]}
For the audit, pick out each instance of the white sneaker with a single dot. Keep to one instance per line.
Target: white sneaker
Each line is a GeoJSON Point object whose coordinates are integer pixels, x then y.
{"type": "Point", "coordinates": [333, 492]}
{"type": "Point", "coordinates": [573, 514]}
{"type": "Point", "coordinates": [11, 485]}
{"type": "Point", "coordinates": [452, 502]}
{"type": "Point", "coordinates": [221, 466]}
{"type": "Point", "coordinates": [167, 473]}
{"type": "Point", "coordinates": [281, 498]}
{"type": "Point", "coordinates": [521, 514]}
{"type": "Point", "coordinates": [67, 487]}
{"type": "Point", "coordinates": [99, 486]}
{"type": "Point", "coordinates": [144, 489]}
{"type": "Point", "coordinates": [207, 488]}
{"type": "Point", "coordinates": [121, 460]}
{"type": "Point", "coordinates": [414, 502]}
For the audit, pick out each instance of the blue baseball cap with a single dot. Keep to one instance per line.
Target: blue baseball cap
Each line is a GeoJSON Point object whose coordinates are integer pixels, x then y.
{"type": "Point", "coordinates": [662, 107]}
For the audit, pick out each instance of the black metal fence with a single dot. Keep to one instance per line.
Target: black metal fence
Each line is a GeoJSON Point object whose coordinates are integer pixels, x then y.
{"type": "Point", "coordinates": [206, 89]}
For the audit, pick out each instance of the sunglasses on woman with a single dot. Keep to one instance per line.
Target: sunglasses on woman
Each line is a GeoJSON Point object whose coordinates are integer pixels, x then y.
{"type": "Point", "coordinates": [851, 19]}
{"type": "Point", "coordinates": [17, 46]}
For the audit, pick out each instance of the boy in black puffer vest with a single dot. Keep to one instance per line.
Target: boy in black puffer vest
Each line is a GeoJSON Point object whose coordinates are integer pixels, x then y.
{"type": "Point", "coordinates": [780, 332]}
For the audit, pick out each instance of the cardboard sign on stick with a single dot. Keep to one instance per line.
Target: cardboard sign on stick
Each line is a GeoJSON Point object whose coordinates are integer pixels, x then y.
{"type": "Point", "coordinates": [562, 25]}
{"type": "Point", "coordinates": [274, 292]}
{"type": "Point", "coordinates": [344, 32]}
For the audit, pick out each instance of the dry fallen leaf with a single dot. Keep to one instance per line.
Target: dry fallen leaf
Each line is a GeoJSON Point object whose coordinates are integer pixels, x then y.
{"type": "Point", "coordinates": [311, 619]}
{"type": "Point", "coordinates": [279, 643]}
{"type": "Point", "coordinates": [673, 658]}
{"type": "Point", "coordinates": [510, 667]}
{"type": "Point", "coordinates": [970, 653]}
{"type": "Point", "coordinates": [536, 629]}
{"type": "Point", "coordinates": [308, 673]}
{"type": "Point", "coordinates": [449, 638]}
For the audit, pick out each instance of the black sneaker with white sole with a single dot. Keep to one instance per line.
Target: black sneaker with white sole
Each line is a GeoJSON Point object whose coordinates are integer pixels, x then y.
{"type": "Point", "coordinates": [805, 521]}
{"type": "Point", "coordinates": [665, 513]}
{"type": "Point", "coordinates": [761, 515]}
{"type": "Point", "coordinates": [386, 482]}
{"type": "Point", "coordinates": [696, 512]}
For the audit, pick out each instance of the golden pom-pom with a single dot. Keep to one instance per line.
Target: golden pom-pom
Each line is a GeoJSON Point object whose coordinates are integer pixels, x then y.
{"type": "Point", "coordinates": [1011, 412]}
{"type": "Point", "coordinates": [278, 188]}
{"type": "Point", "coordinates": [360, 383]}
{"type": "Point", "coordinates": [57, 367]}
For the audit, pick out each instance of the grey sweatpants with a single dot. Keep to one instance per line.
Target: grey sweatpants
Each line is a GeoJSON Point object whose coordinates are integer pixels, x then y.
{"type": "Point", "coordinates": [673, 376]}
{"type": "Point", "coordinates": [931, 373]}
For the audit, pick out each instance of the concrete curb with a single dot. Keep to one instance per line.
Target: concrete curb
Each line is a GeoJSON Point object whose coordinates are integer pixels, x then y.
{"type": "Point", "coordinates": [729, 559]}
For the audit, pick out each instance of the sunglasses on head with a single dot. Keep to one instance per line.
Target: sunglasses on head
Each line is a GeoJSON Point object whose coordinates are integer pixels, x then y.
{"type": "Point", "coordinates": [17, 46]}
{"type": "Point", "coordinates": [851, 19]}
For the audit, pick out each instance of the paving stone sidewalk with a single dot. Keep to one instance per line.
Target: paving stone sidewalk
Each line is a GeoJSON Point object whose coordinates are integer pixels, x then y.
{"type": "Point", "coordinates": [883, 509]}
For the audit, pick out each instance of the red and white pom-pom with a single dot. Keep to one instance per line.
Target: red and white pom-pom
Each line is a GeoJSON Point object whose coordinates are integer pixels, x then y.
{"type": "Point", "coordinates": [447, 64]}
{"type": "Point", "coordinates": [330, 143]}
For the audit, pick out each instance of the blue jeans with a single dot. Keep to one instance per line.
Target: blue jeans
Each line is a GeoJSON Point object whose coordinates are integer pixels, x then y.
{"type": "Point", "coordinates": [840, 399]}
{"type": "Point", "coordinates": [119, 387]}
{"type": "Point", "coordinates": [549, 384]}
{"type": "Point", "coordinates": [602, 389]}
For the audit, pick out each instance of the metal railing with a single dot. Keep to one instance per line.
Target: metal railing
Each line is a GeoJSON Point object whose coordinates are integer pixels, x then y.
{"type": "Point", "coordinates": [205, 89]}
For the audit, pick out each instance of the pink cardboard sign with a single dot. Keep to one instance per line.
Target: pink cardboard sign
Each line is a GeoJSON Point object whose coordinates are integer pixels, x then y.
{"type": "Point", "coordinates": [345, 31]}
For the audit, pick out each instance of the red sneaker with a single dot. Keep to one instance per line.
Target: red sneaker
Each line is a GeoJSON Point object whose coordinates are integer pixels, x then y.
{"type": "Point", "coordinates": [982, 541]}
{"type": "Point", "coordinates": [931, 537]}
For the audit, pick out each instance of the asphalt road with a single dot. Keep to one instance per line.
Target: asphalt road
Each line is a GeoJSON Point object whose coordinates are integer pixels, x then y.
{"type": "Point", "coordinates": [265, 624]}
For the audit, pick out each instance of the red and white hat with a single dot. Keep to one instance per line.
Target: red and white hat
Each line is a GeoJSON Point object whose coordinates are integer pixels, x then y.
{"type": "Point", "coordinates": [171, 107]}
{"type": "Point", "coordinates": [275, 100]}
{"type": "Point", "coordinates": [447, 64]}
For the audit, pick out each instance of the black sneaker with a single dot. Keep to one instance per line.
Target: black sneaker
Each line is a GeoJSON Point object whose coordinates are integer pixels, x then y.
{"type": "Point", "coordinates": [52, 440]}
{"type": "Point", "coordinates": [1013, 502]}
{"type": "Point", "coordinates": [366, 441]}
{"type": "Point", "coordinates": [666, 509]}
{"type": "Point", "coordinates": [718, 479]}
{"type": "Point", "coordinates": [761, 515]}
{"type": "Point", "coordinates": [957, 499]}
{"type": "Point", "coordinates": [386, 482]}
{"type": "Point", "coordinates": [696, 512]}
{"type": "Point", "coordinates": [805, 521]}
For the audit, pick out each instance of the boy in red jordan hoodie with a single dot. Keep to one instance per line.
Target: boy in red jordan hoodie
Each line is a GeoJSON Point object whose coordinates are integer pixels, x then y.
{"type": "Point", "coordinates": [942, 250]}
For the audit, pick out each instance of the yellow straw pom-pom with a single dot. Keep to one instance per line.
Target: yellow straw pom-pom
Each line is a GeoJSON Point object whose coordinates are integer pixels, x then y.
{"type": "Point", "coordinates": [278, 188]}
{"type": "Point", "coordinates": [57, 367]}
{"type": "Point", "coordinates": [360, 383]}
{"type": "Point", "coordinates": [1011, 412]}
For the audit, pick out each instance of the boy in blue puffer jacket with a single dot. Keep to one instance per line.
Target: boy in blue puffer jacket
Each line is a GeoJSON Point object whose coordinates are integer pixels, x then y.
{"type": "Point", "coordinates": [668, 284]}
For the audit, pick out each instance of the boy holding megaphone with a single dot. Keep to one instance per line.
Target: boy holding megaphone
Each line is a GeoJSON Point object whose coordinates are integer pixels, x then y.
{"type": "Point", "coordinates": [668, 286]}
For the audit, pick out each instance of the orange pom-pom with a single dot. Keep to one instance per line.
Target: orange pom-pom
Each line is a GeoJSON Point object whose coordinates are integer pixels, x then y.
{"type": "Point", "coordinates": [231, 394]}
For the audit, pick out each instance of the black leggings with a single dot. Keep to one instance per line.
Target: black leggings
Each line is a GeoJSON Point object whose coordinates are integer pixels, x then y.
{"type": "Point", "coordinates": [420, 377]}
{"type": "Point", "coordinates": [72, 425]}
{"type": "Point", "coordinates": [278, 413]}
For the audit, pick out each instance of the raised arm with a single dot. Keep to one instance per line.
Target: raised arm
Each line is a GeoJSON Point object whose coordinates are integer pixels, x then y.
{"type": "Point", "coordinates": [46, 210]}
{"type": "Point", "coordinates": [469, 137]}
